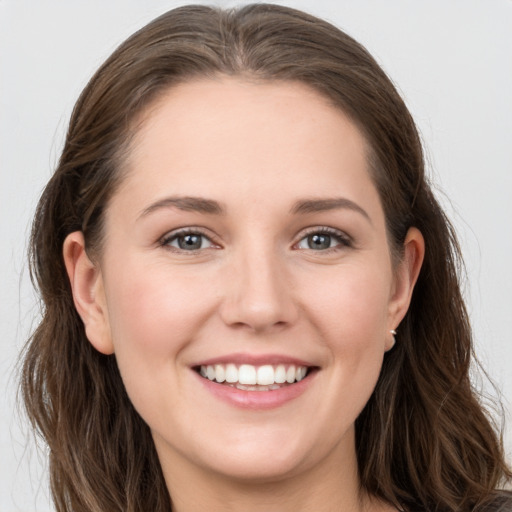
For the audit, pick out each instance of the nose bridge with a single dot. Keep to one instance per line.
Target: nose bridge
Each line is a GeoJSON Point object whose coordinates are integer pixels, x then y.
{"type": "Point", "coordinates": [260, 287]}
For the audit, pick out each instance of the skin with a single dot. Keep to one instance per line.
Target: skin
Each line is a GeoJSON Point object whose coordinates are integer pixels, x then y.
{"type": "Point", "coordinates": [255, 287]}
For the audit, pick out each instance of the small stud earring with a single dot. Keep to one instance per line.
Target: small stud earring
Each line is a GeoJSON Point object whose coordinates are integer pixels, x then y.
{"type": "Point", "coordinates": [393, 334]}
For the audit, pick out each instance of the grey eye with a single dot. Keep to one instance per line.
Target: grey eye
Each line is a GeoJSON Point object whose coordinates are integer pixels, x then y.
{"type": "Point", "coordinates": [318, 241]}
{"type": "Point", "coordinates": [189, 241]}
{"type": "Point", "coordinates": [322, 240]}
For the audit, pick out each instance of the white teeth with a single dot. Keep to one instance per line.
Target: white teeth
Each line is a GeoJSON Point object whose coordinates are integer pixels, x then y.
{"type": "Point", "coordinates": [231, 373]}
{"type": "Point", "coordinates": [280, 374]}
{"type": "Point", "coordinates": [300, 373]}
{"type": "Point", "coordinates": [265, 375]}
{"type": "Point", "coordinates": [220, 373]}
{"type": "Point", "coordinates": [243, 387]}
{"type": "Point", "coordinates": [247, 374]}
{"type": "Point", "coordinates": [249, 377]}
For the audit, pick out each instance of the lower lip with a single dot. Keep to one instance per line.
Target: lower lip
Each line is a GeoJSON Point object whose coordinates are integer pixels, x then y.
{"type": "Point", "coordinates": [257, 400]}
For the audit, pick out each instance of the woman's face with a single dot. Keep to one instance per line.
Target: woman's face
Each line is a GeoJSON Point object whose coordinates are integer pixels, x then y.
{"type": "Point", "coordinates": [247, 243]}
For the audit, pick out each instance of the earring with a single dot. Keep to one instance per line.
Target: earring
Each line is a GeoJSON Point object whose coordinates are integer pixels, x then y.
{"type": "Point", "coordinates": [393, 334]}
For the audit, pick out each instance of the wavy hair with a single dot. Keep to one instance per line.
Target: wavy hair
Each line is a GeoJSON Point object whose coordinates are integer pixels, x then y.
{"type": "Point", "coordinates": [423, 440]}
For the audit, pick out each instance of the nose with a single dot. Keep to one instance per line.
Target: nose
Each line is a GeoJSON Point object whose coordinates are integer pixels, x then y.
{"type": "Point", "coordinates": [259, 294]}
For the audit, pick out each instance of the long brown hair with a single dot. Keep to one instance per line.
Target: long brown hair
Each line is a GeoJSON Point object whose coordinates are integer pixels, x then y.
{"type": "Point", "coordinates": [423, 440]}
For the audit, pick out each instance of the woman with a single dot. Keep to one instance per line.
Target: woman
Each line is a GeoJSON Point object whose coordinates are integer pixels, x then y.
{"type": "Point", "coordinates": [252, 300]}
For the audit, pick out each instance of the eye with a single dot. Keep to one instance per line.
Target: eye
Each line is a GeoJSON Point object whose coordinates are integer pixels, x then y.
{"type": "Point", "coordinates": [187, 241]}
{"type": "Point", "coordinates": [323, 239]}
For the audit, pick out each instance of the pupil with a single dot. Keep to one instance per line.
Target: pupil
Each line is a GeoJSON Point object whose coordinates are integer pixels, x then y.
{"type": "Point", "coordinates": [319, 241]}
{"type": "Point", "coordinates": [190, 242]}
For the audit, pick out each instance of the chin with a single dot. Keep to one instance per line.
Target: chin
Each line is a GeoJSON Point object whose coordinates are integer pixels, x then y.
{"type": "Point", "coordinates": [255, 453]}
{"type": "Point", "coordinates": [254, 469]}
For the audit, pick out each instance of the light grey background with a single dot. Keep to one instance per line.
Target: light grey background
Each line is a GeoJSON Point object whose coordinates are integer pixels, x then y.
{"type": "Point", "coordinates": [452, 60]}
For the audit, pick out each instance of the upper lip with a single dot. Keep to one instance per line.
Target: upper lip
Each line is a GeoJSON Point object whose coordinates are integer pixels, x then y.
{"type": "Point", "coordinates": [254, 360]}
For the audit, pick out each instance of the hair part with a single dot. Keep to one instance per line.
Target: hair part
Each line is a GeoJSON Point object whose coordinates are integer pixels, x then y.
{"type": "Point", "coordinates": [423, 440]}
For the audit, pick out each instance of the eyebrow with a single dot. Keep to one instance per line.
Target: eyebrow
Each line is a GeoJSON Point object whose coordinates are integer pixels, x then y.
{"type": "Point", "coordinates": [187, 204]}
{"type": "Point", "coordinates": [322, 205]}
{"type": "Point", "coordinates": [211, 207]}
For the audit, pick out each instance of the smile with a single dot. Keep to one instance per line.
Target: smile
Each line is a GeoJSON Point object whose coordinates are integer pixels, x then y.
{"type": "Point", "coordinates": [248, 377]}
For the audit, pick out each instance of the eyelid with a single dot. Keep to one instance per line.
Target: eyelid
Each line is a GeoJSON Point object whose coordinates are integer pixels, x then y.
{"type": "Point", "coordinates": [345, 240]}
{"type": "Point", "coordinates": [165, 240]}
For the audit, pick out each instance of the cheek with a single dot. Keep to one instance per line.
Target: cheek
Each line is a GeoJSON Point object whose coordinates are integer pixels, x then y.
{"type": "Point", "coordinates": [351, 306]}
{"type": "Point", "coordinates": [153, 315]}
{"type": "Point", "coordinates": [151, 306]}
{"type": "Point", "coordinates": [351, 314]}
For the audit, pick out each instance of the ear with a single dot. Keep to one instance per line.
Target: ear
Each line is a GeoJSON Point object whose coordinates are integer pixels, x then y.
{"type": "Point", "coordinates": [88, 292]}
{"type": "Point", "coordinates": [406, 275]}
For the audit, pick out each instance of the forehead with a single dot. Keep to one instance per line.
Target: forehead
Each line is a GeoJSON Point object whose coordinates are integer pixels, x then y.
{"type": "Point", "coordinates": [243, 139]}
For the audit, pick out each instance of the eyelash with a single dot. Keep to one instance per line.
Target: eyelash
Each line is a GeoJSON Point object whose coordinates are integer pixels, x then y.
{"type": "Point", "coordinates": [342, 239]}
{"type": "Point", "coordinates": [175, 235]}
